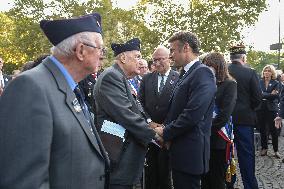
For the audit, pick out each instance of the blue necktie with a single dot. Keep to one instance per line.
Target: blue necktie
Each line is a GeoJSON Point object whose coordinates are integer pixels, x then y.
{"type": "Point", "coordinates": [84, 107]}
{"type": "Point", "coordinates": [182, 72]}
{"type": "Point", "coordinates": [162, 84]}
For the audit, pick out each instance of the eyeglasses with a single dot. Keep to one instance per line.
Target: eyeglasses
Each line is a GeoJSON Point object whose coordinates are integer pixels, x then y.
{"type": "Point", "coordinates": [159, 59]}
{"type": "Point", "coordinates": [102, 49]}
{"type": "Point", "coordinates": [143, 67]}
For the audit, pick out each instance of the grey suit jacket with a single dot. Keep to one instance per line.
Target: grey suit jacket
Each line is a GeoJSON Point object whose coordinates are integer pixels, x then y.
{"type": "Point", "coordinates": [114, 102]}
{"type": "Point", "coordinates": [44, 142]}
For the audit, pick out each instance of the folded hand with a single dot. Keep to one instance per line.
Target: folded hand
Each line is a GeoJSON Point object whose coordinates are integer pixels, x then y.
{"type": "Point", "coordinates": [278, 122]}
{"type": "Point", "coordinates": [153, 125]}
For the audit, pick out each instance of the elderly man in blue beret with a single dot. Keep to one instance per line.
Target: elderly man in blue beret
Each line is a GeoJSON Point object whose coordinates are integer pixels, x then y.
{"type": "Point", "coordinates": [52, 142]}
{"type": "Point", "coordinates": [116, 103]}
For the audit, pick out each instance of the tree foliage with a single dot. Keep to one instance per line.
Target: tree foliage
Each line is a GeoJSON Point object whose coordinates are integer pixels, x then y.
{"type": "Point", "coordinates": [258, 59]}
{"type": "Point", "coordinates": [217, 23]}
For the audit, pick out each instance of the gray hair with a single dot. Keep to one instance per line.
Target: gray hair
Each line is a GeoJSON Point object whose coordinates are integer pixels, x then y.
{"type": "Point", "coordinates": [67, 46]}
{"type": "Point", "coordinates": [236, 56]}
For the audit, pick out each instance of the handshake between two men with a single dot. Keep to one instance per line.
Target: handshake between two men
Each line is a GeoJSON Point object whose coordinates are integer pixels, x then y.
{"type": "Point", "coordinates": [159, 128]}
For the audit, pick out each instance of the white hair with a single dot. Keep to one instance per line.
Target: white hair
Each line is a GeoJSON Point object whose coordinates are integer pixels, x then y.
{"type": "Point", "coordinates": [66, 47]}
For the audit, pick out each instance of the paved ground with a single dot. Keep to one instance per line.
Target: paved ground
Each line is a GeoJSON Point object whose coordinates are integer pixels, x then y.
{"type": "Point", "coordinates": [269, 170]}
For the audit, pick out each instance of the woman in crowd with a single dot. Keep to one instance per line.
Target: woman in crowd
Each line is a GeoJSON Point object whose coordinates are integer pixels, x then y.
{"type": "Point", "coordinates": [268, 108]}
{"type": "Point", "coordinates": [224, 104]}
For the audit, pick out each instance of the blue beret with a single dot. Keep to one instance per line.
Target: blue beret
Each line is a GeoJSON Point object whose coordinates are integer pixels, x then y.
{"type": "Point", "coordinates": [58, 30]}
{"type": "Point", "coordinates": [133, 44]}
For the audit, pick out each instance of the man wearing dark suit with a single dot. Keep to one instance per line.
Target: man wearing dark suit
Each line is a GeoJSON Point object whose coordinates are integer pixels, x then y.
{"type": "Point", "coordinates": [188, 122]}
{"type": "Point", "coordinates": [4, 79]}
{"type": "Point", "coordinates": [248, 98]}
{"type": "Point", "coordinates": [53, 143]}
{"type": "Point", "coordinates": [116, 103]}
{"type": "Point", "coordinates": [154, 95]}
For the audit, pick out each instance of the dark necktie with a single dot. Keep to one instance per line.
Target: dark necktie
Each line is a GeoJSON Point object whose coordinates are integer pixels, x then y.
{"type": "Point", "coordinates": [161, 83]}
{"type": "Point", "coordinates": [182, 72]}
{"type": "Point", "coordinates": [83, 105]}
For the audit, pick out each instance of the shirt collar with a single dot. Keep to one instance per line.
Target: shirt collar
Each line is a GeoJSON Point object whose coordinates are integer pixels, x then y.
{"type": "Point", "coordinates": [188, 66]}
{"type": "Point", "coordinates": [166, 74]}
{"type": "Point", "coordinates": [65, 73]}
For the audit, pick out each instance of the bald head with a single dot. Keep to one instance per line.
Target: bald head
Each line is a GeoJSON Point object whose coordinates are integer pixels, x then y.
{"type": "Point", "coordinates": [162, 49]}
{"type": "Point", "coordinates": [161, 59]}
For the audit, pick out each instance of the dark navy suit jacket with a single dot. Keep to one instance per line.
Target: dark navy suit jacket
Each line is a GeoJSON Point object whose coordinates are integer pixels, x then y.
{"type": "Point", "coordinates": [155, 104]}
{"type": "Point", "coordinates": [269, 101]}
{"type": "Point", "coordinates": [188, 123]}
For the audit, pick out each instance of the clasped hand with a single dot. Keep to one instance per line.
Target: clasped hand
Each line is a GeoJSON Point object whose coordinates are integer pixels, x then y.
{"type": "Point", "coordinates": [159, 129]}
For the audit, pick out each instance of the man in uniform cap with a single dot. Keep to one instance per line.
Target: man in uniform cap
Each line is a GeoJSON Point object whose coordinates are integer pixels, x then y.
{"type": "Point", "coordinates": [248, 98]}
{"type": "Point", "coordinates": [53, 143]}
{"type": "Point", "coordinates": [116, 103]}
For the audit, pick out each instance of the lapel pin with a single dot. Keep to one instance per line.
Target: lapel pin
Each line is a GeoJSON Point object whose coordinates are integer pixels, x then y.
{"type": "Point", "coordinates": [76, 105]}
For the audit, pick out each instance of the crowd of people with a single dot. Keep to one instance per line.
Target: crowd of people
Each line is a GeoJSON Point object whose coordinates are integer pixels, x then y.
{"type": "Point", "coordinates": [173, 122]}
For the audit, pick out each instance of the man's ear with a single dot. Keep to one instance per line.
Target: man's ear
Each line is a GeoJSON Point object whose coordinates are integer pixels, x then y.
{"type": "Point", "coordinates": [79, 51]}
{"type": "Point", "coordinates": [186, 47]}
{"type": "Point", "coordinates": [123, 58]}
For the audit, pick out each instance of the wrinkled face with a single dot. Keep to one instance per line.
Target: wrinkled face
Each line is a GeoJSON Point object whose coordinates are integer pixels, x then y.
{"type": "Point", "coordinates": [177, 53]}
{"type": "Point", "coordinates": [267, 73]}
{"type": "Point", "coordinates": [161, 61]}
{"type": "Point", "coordinates": [131, 63]}
{"type": "Point", "coordinates": [1, 63]}
{"type": "Point", "coordinates": [143, 67]}
{"type": "Point", "coordinates": [94, 53]}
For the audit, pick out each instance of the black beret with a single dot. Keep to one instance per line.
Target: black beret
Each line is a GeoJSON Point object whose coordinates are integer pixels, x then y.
{"type": "Point", "coordinates": [58, 30]}
{"type": "Point", "coordinates": [238, 49]}
{"type": "Point", "coordinates": [133, 44]}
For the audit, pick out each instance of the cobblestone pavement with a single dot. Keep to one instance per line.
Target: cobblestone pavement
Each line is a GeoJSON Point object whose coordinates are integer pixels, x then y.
{"type": "Point", "coordinates": [269, 170]}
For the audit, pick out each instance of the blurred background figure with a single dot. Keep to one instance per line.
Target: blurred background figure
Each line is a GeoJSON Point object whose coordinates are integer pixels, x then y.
{"type": "Point", "coordinates": [87, 88]}
{"type": "Point", "coordinates": [15, 73]}
{"type": "Point", "coordinates": [151, 66]}
{"type": "Point", "coordinates": [4, 78]}
{"type": "Point", "coordinates": [31, 64]}
{"type": "Point", "coordinates": [268, 108]}
{"type": "Point", "coordinates": [143, 69]}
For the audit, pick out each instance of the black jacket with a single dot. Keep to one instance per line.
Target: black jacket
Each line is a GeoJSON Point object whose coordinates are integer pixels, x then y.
{"type": "Point", "coordinates": [155, 104]}
{"type": "Point", "coordinates": [225, 100]}
{"type": "Point", "coordinates": [269, 101]}
{"type": "Point", "coordinates": [248, 94]}
{"type": "Point", "coordinates": [188, 122]}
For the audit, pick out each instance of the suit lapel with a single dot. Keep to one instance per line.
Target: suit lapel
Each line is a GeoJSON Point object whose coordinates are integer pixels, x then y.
{"type": "Point", "coordinates": [155, 83]}
{"type": "Point", "coordinates": [70, 98]}
{"type": "Point", "coordinates": [170, 81]}
{"type": "Point", "coordinates": [193, 67]}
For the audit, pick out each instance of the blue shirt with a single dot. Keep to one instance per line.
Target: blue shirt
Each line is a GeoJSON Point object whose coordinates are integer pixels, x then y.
{"type": "Point", "coordinates": [65, 73]}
